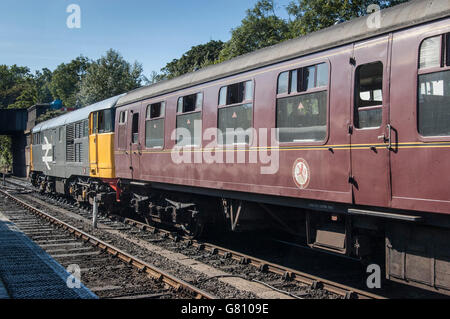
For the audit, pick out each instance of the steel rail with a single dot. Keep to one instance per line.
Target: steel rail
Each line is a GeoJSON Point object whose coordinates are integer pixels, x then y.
{"type": "Point", "coordinates": [287, 273]}
{"type": "Point", "coordinates": [152, 271]}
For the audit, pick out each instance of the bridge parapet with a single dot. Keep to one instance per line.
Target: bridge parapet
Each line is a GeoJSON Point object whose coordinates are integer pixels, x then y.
{"type": "Point", "coordinates": [13, 121]}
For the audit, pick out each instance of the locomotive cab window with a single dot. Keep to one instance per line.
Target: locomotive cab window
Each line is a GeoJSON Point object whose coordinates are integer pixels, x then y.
{"type": "Point", "coordinates": [434, 87]}
{"type": "Point", "coordinates": [103, 121]}
{"type": "Point", "coordinates": [302, 104]}
{"type": "Point", "coordinates": [189, 120]}
{"type": "Point", "coordinates": [235, 115]}
{"type": "Point", "coordinates": [369, 95]}
{"type": "Point", "coordinates": [154, 125]}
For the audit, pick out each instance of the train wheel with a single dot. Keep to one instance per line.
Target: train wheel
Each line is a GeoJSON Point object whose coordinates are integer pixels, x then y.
{"type": "Point", "coordinates": [194, 227]}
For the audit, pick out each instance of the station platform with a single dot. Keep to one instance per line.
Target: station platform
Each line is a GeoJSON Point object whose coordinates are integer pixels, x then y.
{"type": "Point", "coordinates": [28, 272]}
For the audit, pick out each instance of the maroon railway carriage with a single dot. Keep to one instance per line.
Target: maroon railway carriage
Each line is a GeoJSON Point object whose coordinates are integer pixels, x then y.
{"type": "Point", "coordinates": [362, 119]}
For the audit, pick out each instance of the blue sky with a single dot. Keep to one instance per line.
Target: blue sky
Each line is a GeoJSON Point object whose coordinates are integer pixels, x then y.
{"type": "Point", "coordinates": [33, 33]}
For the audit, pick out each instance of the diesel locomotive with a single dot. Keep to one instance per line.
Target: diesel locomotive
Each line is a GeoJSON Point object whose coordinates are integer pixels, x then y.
{"type": "Point", "coordinates": [341, 137]}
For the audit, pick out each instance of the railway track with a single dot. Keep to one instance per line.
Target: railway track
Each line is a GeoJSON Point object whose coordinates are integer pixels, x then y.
{"type": "Point", "coordinates": [70, 245]}
{"type": "Point", "coordinates": [288, 275]}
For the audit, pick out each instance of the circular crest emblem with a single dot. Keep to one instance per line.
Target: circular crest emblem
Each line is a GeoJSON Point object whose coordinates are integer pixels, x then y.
{"type": "Point", "coordinates": [301, 173]}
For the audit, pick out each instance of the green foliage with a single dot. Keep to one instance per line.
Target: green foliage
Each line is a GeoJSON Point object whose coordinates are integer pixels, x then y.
{"type": "Point", "coordinates": [65, 80]}
{"type": "Point", "coordinates": [43, 81]}
{"type": "Point", "coordinates": [196, 58]}
{"type": "Point", "coordinates": [156, 77]}
{"type": "Point", "coordinates": [260, 28]}
{"type": "Point", "coordinates": [12, 82]}
{"type": "Point", "coordinates": [312, 15]}
{"type": "Point", "coordinates": [20, 89]}
{"type": "Point", "coordinates": [5, 153]}
{"type": "Point", "coordinates": [109, 76]}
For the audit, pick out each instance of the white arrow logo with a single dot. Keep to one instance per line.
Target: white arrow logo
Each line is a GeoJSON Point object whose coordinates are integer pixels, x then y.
{"type": "Point", "coordinates": [47, 147]}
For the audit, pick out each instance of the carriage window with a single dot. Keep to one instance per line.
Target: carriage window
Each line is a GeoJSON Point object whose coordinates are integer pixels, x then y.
{"type": "Point", "coordinates": [223, 96]}
{"type": "Point", "coordinates": [135, 128]}
{"type": "Point", "coordinates": [190, 103]}
{"type": "Point", "coordinates": [307, 80]}
{"type": "Point", "coordinates": [283, 80]}
{"type": "Point", "coordinates": [369, 95]}
{"type": "Point", "coordinates": [303, 79]}
{"type": "Point", "coordinates": [189, 129]}
{"type": "Point", "coordinates": [430, 53]}
{"type": "Point", "coordinates": [234, 121]}
{"type": "Point", "coordinates": [294, 82]}
{"type": "Point", "coordinates": [322, 74]}
{"type": "Point", "coordinates": [155, 110]}
{"type": "Point", "coordinates": [154, 133]}
{"type": "Point", "coordinates": [123, 117]}
{"type": "Point", "coordinates": [434, 104]}
{"type": "Point", "coordinates": [154, 125]}
{"type": "Point", "coordinates": [236, 93]}
{"type": "Point", "coordinates": [189, 125]}
{"type": "Point", "coordinates": [434, 89]}
{"type": "Point", "coordinates": [302, 116]}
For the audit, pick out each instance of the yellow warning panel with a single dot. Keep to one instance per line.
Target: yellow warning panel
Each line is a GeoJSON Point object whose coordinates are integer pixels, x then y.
{"type": "Point", "coordinates": [101, 155]}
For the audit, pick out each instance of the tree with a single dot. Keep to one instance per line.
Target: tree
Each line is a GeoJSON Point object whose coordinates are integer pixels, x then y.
{"type": "Point", "coordinates": [196, 58]}
{"type": "Point", "coordinates": [66, 78]}
{"type": "Point", "coordinates": [12, 81]}
{"type": "Point", "coordinates": [5, 153]}
{"type": "Point", "coordinates": [43, 81]}
{"type": "Point", "coordinates": [156, 77]}
{"type": "Point", "coordinates": [312, 15]}
{"type": "Point", "coordinates": [260, 28]}
{"type": "Point", "coordinates": [109, 76]}
{"type": "Point", "coordinates": [15, 85]}
{"type": "Point", "coordinates": [28, 94]}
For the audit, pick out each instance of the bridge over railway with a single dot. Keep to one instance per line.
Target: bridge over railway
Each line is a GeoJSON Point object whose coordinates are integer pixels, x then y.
{"type": "Point", "coordinates": [13, 122]}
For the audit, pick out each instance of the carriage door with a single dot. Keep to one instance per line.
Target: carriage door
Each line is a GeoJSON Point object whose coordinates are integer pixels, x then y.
{"type": "Point", "coordinates": [370, 128]}
{"type": "Point", "coordinates": [135, 149]}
